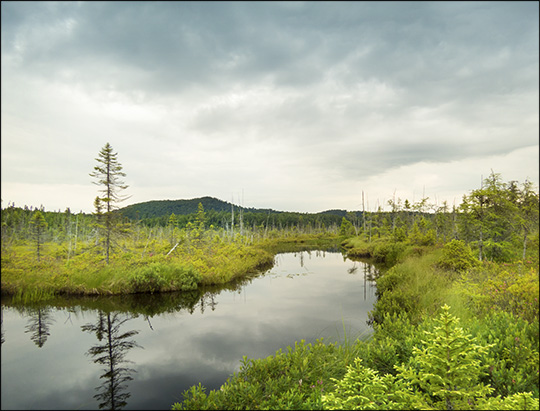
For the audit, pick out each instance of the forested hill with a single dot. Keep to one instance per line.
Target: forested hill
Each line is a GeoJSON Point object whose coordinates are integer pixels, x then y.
{"type": "Point", "coordinates": [158, 211]}
{"type": "Point", "coordinates": [159, 208]}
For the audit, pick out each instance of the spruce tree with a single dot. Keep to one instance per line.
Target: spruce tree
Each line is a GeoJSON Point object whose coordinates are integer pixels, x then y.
{"type": "Point", "coordinates": [39, 225]}
{"type": "Point", "coordinates": [108, 173]}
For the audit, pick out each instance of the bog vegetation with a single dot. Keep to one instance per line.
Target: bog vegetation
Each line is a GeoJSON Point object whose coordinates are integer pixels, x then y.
{"type": "Point", "coordinates": [456, 320]}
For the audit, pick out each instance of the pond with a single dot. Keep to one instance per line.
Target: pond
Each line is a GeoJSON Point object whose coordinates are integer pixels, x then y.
{"type": "Point", "coordinates": [66, 354]}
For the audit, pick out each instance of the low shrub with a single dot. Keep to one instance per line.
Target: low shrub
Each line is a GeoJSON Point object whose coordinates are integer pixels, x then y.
{"type": "Point", "coordinates": [457, 256]}
{"type": "Point", "coordinates": [383, 250]}
{"type": "Point", "coordinates": [157, 277]}
{"type": "Point", "coordinates": [389, 253]}
{"type": "Point", "coordinates": [392, 343]}
{"type": "Point", "coordinates": [501, 287]}
{"type": "Point", "coordinates": [292, 380]}
{"type": "Point", "coordinates": [512, 358]}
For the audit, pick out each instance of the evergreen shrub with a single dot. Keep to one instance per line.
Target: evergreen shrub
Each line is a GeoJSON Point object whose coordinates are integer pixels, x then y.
{"type": "Point", "coordinates": [457, 256]}
{"type": "Point", "coordinates": [444, 372]}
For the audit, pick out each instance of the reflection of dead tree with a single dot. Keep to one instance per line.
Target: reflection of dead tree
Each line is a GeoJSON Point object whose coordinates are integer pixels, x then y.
{"type": "Point", "coordinates": [370, 274]}
{"type": "Point", "coordinates": [353, 269]}
{"type": "Point", "coordinates": [2, 324]}
{"type": "Point", "coordinates": [149, 323]}
{"type": "Point", "coordinates": [212, 302]}
{"type": "Point", "coordinates": [39, 325]}
{"type": "Point", "coordinates": [208, 298]}
{"type": "Point", "coordinates": [111, 354]}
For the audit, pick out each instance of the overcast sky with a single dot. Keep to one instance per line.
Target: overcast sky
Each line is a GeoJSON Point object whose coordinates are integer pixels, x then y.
{"type": "Point", "coordinates": [295, 106]}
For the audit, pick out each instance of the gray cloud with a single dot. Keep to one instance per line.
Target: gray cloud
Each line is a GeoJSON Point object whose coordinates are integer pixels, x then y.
{"type": "Point", "coordinates": [354, 87]}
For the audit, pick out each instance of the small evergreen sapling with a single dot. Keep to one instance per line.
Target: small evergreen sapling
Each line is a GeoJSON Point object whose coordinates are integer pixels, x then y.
{"type": "Point", "coordinates": [445, 373]}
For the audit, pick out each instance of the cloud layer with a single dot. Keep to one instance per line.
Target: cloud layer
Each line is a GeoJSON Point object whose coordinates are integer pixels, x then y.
{"type": "Point", "coordinates": [301, 106]}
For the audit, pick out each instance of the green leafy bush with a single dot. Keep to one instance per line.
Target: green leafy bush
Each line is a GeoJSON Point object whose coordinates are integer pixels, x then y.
{"type": "Point", "coordinates": [147, 279]}
{"type": "Point", "coordinates": [158, 276]}
{"type": "Point", "coordinates": [389, 253]}
{"type": "Point", "coordinates": [183, 278]}
{"type": "Point", "coordinates": [512, 358]}
{"type": "Point", "coordinates": [346, 228]}
{"type": "Point", "coordinates": [502, 287]}
{"type": "Point", "coordinates": [391, 344]}
{"type": "Point", "coordinates": [457, 256]}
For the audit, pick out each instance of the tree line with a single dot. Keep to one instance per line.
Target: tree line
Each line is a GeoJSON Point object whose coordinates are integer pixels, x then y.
{"type": "Point", "coordinates": [499, 220]}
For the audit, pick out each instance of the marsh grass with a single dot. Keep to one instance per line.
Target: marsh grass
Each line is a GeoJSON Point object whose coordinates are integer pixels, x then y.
{"type": "Point", "coordinates": [129, 271]}
{"type": "Point", "coordinates": [416, 286]}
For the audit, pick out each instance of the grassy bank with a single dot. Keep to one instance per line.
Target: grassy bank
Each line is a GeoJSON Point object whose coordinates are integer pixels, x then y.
{"type": "Point", "coordinates": [142, 269]}
{"type": "Point", "coordinates": [436, 305]}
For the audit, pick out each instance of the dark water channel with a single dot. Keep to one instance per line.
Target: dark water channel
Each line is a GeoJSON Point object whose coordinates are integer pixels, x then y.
{"type": "Point", "coordinates": [66, 354]}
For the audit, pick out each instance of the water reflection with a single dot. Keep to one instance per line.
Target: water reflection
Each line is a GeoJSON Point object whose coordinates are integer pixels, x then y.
{"type": "Point", "coordinates": [39, 325]}
{"type": "Point", "coordinates": [192, 337]}
{"type": "Point", "coordinates": [208, 299]}
{"type": "Point", "coordinates": [353, 269]}
{"type": "Point", "coordinates": [2, 323]}
{"type": "Point", "coordinates": [112, 393]}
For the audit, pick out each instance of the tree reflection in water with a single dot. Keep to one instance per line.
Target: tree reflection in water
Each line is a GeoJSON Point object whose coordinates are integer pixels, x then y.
{"type": "Point", "coordinates": [2, 322]}
{"type": "Point", "coordinates": [39, 325]}
{"type": "Point", "coordinates": [208, 299]}
{"type": "Point", "coordinates": [112, 393]}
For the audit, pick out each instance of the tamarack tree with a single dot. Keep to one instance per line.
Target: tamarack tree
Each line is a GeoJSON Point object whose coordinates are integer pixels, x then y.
{"type": "Point", "coordinates": [108, 173]}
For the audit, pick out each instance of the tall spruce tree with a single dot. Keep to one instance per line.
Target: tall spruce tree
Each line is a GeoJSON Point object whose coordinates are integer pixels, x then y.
{"type": "Point", "coordinates": [39, 225]}
{"type": "Point", "coordinates": [108, 174]}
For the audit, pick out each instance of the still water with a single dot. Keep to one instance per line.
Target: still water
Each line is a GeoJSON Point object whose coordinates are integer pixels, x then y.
{"type": "Point", "coordinates": [66, 355]}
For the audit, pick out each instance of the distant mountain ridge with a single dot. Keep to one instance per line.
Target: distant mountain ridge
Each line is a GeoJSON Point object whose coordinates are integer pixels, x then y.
{"type": "Point", "coordinates": [159, 208]}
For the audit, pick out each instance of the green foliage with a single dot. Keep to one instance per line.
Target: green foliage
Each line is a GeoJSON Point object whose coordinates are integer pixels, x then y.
{"type": "Point", "coordinates": [218, 213]}
{"type": "Point", "coordinates": [506, 287]}
{"type": "Point", "coordinates": [39, 225]}
{"type": "Point", "coordinates": [292, 380]}
{"type": "Point", "coordinates": [457, 256]}
{"type": "Point", "coordinates": [389, 253]}
{"type": "Point", "coordinates": [436, 365]}
{"type": "Point", "coordinates": [147, 279]}
{"type": "Point", "coordinates": [346, 228]}
{"type": "Point", "coordinates": [498, 217]}
{"type": "Point", "coordinates": [108, 173]}
{"type": "Point", "coordinates": [365, 389]}
{"type": "Point", "coordinates": [392, 343]}
{"type": "Point", "coordinates": [157, 277]}
{"type": "Point", "coordinates": [519, 401]}
{"type": "Point", "coordinates": [357, 247]}
{"type": "Point", "coordinates": [383, 250]}
{"type": "Point", "coordinates": [173, 221]}
{"type": "Point", "coordinates": [400, 234]}
{"type": "Point", "coordinates": [413, 287]}
{"type": "Point", "coordinates": [499, 299]}
{"type": "Point", "coordinates": [512, 357]}
{"type": "Point", "coordinates": [444, 372]}
{"type": "Point", "coordinates": [421, 233]}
